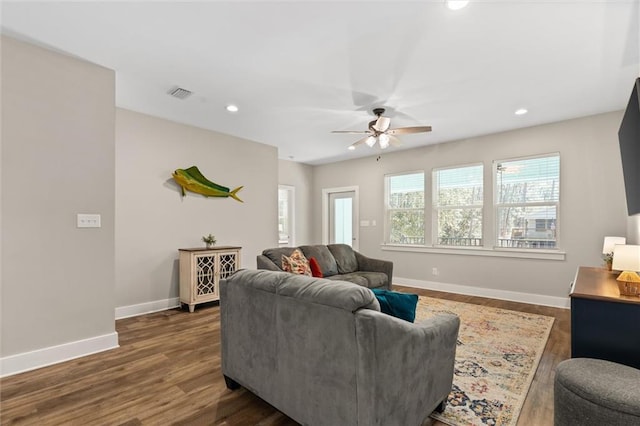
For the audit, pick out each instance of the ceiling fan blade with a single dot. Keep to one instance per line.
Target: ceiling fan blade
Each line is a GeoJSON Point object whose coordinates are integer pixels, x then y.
{"type": "Point", "coordinates": [358, 142]}
{"type": "Point", "coordinates": [352, 132]}
{"type": "Point", "coordinates": [408, 130]}
{"type": "Point", "coordinates": [393, 141]}
{"type": "Point", "coordinates": [382, 124]}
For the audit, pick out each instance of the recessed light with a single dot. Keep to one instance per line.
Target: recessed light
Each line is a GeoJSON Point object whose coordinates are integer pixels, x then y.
{"type": "Point", "coordinates": [351, 148]}
{"type": "Point", "coordinates": [232, 108]}
{"type": "Point", "coordinates": [521, 111]}
{"type": "Point", "coordinates": [457, 4]}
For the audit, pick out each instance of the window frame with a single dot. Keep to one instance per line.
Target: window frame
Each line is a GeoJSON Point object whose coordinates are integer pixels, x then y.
{"type": "Point", "coordinates": [388, 210]}
{"type": "Point", "coordinates": [290, 219]}
{"type": "Point", "coordinates": [435, 209]}
{"type": "Point", "coordinates": [497, 205]}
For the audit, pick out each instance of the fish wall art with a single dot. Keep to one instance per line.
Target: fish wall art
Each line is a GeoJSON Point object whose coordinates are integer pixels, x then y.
{"type": "Point", "coordinates": [192, 180]}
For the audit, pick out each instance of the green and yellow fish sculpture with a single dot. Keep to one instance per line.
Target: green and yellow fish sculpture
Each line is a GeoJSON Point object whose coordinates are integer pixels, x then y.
{"type": "Point", "coordinates": [192, 180]}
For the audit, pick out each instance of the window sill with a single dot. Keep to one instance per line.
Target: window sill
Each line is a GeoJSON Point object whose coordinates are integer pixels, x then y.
{"type": "Point", "coordinates": [480, 251]}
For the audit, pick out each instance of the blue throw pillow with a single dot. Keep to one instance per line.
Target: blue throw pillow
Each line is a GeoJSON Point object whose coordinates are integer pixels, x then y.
{"type": "Point", "coordinates": [400, 305]}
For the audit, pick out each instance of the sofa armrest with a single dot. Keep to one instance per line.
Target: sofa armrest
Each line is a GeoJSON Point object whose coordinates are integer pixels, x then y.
{"type": "Point", "coordinates": [395, 356]}
{"type": "Point", "coordinates": [369, 264]}
{"type": "Point", "coordinates": [263, 262]}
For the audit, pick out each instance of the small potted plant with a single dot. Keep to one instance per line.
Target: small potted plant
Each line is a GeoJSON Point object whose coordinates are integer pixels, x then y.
{"type": "Point", "coordinates": [209, 240]}
{"type": "Point", "coordinates": [608, 259]}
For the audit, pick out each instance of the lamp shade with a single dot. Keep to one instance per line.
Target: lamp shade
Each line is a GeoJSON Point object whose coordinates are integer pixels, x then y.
{"type": "Point", "coordinates": [626, 258]}
{"type": "Point", "coordinates": [610, 242]}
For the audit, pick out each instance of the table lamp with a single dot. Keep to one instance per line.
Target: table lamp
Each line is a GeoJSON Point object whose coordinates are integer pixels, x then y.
{"type": "Point", "coordinates": [608, 246]}
{"type": "Point", "coordinates": [626, 258]}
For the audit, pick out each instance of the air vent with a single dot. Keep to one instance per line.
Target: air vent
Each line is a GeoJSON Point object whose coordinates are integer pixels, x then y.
{"type": "Point", "coordinates": [180, 93]}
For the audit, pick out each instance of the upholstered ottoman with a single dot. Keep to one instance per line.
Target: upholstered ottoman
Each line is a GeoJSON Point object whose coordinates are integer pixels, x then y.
{"type": "Point", "coordinates": [590, 392]}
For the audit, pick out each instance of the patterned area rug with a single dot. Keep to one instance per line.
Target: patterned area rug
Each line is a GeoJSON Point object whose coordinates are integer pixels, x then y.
{"type": "Point", "coordinates": [497, 356]}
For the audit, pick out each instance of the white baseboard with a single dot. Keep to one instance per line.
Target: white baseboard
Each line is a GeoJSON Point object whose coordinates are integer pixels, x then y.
{"type": "Point", "coordinates": [513, 296]}
{"type": "Point", "coordinates": [27, 361]}
{"type": "Point", "coordinates": [147, 307]}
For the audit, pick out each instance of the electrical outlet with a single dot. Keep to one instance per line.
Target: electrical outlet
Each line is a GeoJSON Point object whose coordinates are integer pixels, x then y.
{"type": "Point", "coordinates": [88, 220]}
{"type": "Point", "coordinates": [434, 271]}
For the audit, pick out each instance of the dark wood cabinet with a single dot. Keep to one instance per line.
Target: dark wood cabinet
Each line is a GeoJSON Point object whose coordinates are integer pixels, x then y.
{"type": "Point", "coordinates": [604, 324]}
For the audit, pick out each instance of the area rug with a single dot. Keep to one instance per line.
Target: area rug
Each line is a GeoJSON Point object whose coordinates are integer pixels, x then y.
{"type": "Point", "coordinates": [496, 358]}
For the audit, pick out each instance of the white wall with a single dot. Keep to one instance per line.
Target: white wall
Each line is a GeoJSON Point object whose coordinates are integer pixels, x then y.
{"type": "Point", "coordinates": [300, 176]}
{"type": "Point", "coordinates": [633, 229]}
{"type": "Point", "coordinates": [592, 202]}
{"type": "Point", "coordinates": [58, 119]}
{"type": "Point", "coordinates": [153, 220]}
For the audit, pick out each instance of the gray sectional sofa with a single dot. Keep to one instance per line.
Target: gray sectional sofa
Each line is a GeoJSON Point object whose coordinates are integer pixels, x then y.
{"type": "Point", "coordinates": [337, 262]}
{"type": "Point", "coordinates": [321, 351]}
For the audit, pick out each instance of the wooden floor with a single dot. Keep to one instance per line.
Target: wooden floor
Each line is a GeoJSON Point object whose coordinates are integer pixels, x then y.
{"type": "Point", "coordinates": [167, 371]}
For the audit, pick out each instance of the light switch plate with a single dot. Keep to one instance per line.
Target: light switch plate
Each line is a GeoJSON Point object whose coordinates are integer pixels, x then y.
{"type": "Point", "coordinates": [88, 220]}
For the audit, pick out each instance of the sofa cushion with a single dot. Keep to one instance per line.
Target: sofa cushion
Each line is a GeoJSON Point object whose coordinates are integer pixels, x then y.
{"type": "Point", "coordinates": [366, 279]}
{"type": "Point", "coordinates": [354, 277]}
{"type": "Point", "coordinates": [337, 294]}
{"type": "Point", "coordinates": [399, 305]}
{"type": "Point", "coordinates": [315, 268]}
{"type": "Point", "coordinates": [275, 254]}
{"type": "Point", "coordinates": [375, 279]}
{"type": "Point", "coordinates": [324, 257]}
{"type": "Point", "coordinates": [296, 263]}
{"type": "Point", "coordinates": [345, 258]}
{"type": "Point", "coordinates": [262, 280]}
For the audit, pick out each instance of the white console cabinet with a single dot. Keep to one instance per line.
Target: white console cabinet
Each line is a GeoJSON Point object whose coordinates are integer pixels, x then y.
{"type": "Point", "coordinates": [201, 270]}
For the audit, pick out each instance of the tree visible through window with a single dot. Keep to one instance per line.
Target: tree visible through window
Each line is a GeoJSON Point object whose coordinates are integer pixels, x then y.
{"type": "Point", "coordinates": [457, 204]}
{"type": "Point", "coordinates": [405, 208]}
{"type": "Point", "coordinates": [527, 199]}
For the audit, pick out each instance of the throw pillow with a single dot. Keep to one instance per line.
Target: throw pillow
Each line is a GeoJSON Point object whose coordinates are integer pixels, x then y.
{"type": "Point", "coordinates": [315, 268]}
{"type": "Point", "coordinates": [296, 263]}
{"type": "Point", "coordinates": [399, 305]}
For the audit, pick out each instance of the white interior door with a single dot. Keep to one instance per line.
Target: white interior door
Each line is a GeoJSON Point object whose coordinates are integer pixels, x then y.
{"type": "Point", "coordinates": [341, 216]}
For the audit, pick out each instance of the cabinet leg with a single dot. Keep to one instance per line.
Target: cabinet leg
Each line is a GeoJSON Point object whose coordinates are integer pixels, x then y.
{"type": "Point", "coordinates": [192, 308]}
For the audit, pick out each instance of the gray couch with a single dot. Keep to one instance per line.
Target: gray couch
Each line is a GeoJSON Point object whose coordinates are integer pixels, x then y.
{"type": "Point", "coordinates": [337, 262]}
{"type": "Point", "coordinates": [321, 351]}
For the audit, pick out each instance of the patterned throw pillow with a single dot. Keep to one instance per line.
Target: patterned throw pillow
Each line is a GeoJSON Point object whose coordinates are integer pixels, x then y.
{"type": "Point", "coordinates": [296, 263]}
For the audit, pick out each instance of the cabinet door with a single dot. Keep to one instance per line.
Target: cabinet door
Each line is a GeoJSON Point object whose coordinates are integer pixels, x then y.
{"type": "Point", "coordinates": [205, 276]}
{"type": "Point", "coordinates": [227, 264]}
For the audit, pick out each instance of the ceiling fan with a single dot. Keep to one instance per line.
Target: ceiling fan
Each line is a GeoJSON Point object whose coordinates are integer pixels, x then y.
{"type": "Point", "coordinates": [380, 133]}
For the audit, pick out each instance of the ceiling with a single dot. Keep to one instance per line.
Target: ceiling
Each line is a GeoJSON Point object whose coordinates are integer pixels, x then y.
{"type": "Point", "coordinates": [299, 69]}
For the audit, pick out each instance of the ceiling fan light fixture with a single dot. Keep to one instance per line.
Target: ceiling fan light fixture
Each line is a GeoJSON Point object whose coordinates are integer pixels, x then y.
{"type": "Point", "coordinates": [383, 140]}
{"type": "Point", "coordinates": [371, 141]}
{"type": "Point", "coordinates": [457, 4]}
{"type": "Point", "coordinates": [380, 133]}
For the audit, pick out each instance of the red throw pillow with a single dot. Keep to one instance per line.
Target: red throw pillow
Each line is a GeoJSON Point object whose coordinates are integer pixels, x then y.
{"type": "Point", "coordinates": [315, 268]}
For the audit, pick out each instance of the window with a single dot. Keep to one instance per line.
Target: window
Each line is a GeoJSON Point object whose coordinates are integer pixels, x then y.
{"type": "Point", "coordinates": [527, 199]}
{"type": "Point", "coordinates": [457, 206]}
{"type": "Point", "coordinates": [285, 215]}
{"type": "Point", "coordinates": [404, 205]}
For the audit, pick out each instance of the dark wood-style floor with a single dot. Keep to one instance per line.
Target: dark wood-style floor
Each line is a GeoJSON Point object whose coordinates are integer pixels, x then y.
{"type": "Point", "coordinates": [167, 371]}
